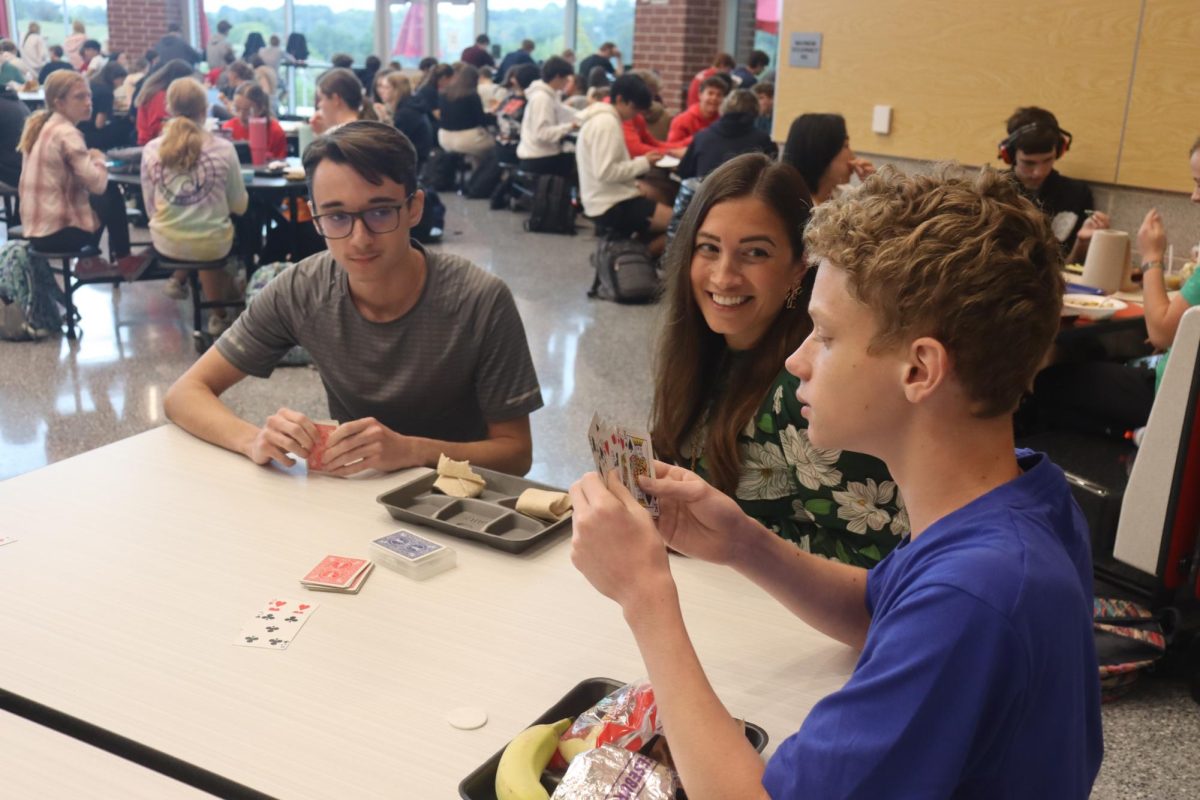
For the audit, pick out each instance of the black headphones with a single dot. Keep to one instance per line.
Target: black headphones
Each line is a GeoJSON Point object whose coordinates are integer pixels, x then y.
{"type": "Point", "coordinates": [1008, 147]}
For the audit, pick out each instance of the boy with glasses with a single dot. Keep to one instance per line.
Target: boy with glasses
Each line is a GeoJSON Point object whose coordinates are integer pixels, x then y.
{"type": "Point", "coordinates": [421, 353]}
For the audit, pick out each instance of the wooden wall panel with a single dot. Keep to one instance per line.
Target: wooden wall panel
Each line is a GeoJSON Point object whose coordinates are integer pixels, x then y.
{"type": "Point", "coordinates": [1164, 109]}
{"type": "Point", "coordinates": [954, 71]}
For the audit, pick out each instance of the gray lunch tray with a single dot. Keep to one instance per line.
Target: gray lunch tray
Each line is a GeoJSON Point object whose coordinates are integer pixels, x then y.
{"type": "Point", "coordinates": [490, 518]}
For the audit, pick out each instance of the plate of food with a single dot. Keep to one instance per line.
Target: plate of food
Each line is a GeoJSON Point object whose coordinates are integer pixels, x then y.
{"type": "Point", "coordinates": [1090, 306]}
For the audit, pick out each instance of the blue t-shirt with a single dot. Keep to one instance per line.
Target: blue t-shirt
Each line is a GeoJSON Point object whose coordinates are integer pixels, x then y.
{"type": "Point", "coordinates": [979, 675]}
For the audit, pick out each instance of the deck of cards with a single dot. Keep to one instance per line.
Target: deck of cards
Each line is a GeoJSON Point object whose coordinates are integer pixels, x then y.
{"type": "Point", "coordinates": [412, 555]}
{"type": "Point", "coordinates": [616, 448]}
{"type": "Point", "coordinates": [338, 574]}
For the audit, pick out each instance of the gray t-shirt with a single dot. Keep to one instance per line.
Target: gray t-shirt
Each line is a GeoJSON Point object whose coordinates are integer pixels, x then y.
{"type": "Point", "coordinates": [455, 362]}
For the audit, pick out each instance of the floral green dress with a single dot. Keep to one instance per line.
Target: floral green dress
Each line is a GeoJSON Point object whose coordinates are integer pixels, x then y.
{"type": "Point", "coordinates": [833, 503]}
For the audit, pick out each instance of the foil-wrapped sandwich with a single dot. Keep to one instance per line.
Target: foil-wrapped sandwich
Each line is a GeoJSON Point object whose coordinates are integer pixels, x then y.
{"type": "Point", "coordinates": [613, 773]}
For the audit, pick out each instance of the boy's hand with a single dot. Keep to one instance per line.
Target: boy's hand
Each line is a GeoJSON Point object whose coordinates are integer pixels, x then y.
{"type": "Point", "coordinates": [285, 431]}
{"type": "Point", "coordinates": [694, 517]}
{"type": "Point", "coordinates": [367, 444]}
{"type": "Point", "coordinates": [614, 543]}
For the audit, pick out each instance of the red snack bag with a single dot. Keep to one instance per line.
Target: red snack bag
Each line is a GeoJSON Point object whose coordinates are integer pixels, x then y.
{"type": "Point", "coordinates": [627, 718]}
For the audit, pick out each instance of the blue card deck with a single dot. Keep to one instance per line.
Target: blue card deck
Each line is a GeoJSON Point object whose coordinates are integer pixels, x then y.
{"type": "Point", "coordinates": [412, 555]}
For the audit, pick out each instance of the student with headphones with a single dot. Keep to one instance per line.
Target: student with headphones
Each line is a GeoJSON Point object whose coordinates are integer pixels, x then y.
{"type": "Point", "coordinates": [1033, 145]}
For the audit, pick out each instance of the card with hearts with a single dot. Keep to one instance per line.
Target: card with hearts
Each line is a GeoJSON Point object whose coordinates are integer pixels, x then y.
{"type": "Point", "coordinates": [276, 624]}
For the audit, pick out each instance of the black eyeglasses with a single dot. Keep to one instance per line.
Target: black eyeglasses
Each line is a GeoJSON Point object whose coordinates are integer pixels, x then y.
{"type": "Point", "coordinates": [340, 224]}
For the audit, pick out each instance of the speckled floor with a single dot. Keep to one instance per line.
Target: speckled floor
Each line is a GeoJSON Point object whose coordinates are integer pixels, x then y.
{"type": "Point", "coordinates": [58, 399]}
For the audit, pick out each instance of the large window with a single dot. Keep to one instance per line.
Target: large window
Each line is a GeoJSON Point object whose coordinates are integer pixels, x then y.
{"type": "Point", "coordinates": [512, 21]}
{"type": "Point", "coordinates": [766, 29]}
{"type": "Point", "coordinates": [603, 21]}
{"type": "Point", "coordinates": [455, 27]}
{"type": "Point", "coordinates": [264, 17]}
{"type": "Point", "coordinates": [409, 31]}
{"type": "Point", "coordinates": [55, 19]}
{"type": "Point", "coordinates": [331, 27]}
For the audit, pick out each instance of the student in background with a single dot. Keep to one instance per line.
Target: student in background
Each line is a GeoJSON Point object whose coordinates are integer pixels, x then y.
{"type": "Point", "coordinates": [477, 55]}
{"type": "Point", "coordinates": [747, 76]}
{"type": "Point", "coordinates": [398, 105]}
{"type": "Point", "coordinates": [74, 43]}
{"type": "Point", "coordinates": [251, 101]}
{"type": "Point", "coordinates": [123, 94]}
{"type": "Point", "coordinates": [13, 113]}
{"type": "Point", "coordinates": [339, 100]}
{"type": "Point", "coordinates": [702, 113]}
{"type": "Point", "coordinates": [220, 49]}
{"type": "Point", "coordinates": [33, 48]}
{"type": "Point", "coordinates": [55, 63]}
{"type": "Point", "coordinates": [66, 200]}
{"type": "Point", "coordinates": [764, 91]}
{"type": "Point", "coordinates": [978, 674]}
{"type": "Point", "coordinates": [151, 101]}
{"type": "Point", "coordinates": [462, 124]}
{"type": "Point", "coordinates": [608, 176]}
{"type": "Point", "coordinates": [105, 130]}
{"type": "Point", "coordinates": [603, 58]}
{"type": "Point", "coordinates": [547, 122]}
{"type": "Point", "coordinates": [819, 147]}
{"type": "Point", "coordinates": [723, 64]}
{"type": "Point", "coordinates": [192, 182]}
{"type": "Point", "coordinates": [733, 134]}
{"type": "Point", "coordinates": [522, 55]}
{"type": "Point", "coordinates": [723, 405]}
{"type": "Point", "coordinates": [1033, 146]}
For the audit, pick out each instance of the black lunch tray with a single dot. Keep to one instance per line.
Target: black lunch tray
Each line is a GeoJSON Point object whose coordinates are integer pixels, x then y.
{"type": "Point", "coordinates": [481, 783]}
{"type": "Point", "coordinates": [491, 518]}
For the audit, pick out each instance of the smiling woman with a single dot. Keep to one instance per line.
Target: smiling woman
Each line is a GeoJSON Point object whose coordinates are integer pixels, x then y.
{"type": "Point", "coordinates": [723, 405]}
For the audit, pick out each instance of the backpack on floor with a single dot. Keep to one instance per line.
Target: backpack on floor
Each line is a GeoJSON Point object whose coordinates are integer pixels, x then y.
{"type": "Point", "coordinates": [552, 210]}
{"type": "Point", "coordinates": [440, 171]}
{"type": "Point", "coordinates": [297, 356]}
{"type": "Point", "coordinates": [433, 220]}
{"type": "Point", "coordinates": [625, 272]}
{"type": "Point", "coordinates": [29, 295]}
{"type": "Point", "coordinates": [1129, 638]}
{"type": "Point", "coordinates": [485, 177]}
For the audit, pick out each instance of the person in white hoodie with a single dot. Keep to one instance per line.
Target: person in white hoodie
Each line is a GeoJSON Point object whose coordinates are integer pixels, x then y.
{"type": "Point", "coordinates": [547, 122]}
{"type": "Point", "coordinates": [608, 176]}
{"type": "Point", "coordinates": [33, 48]}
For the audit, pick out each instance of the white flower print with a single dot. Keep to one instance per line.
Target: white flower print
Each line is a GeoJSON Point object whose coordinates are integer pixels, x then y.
{"type": "Point", "coordinates": [900, 525]}
{"type": "Point", "coordinates": [859, 505]}
{"type": "Point", "coordinates": [765, 473]}
{"type": "Point", "coordinates": [777, 403]}
{"type": "Point", "coordinates": [800, 513]}
{"type": "Point", "coordinates": [750, 429]}
{"type": "Point", "coordinates": [815, 467]}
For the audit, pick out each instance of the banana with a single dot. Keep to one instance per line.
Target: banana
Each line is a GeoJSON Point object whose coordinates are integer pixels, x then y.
{"type": "Point", "coordinates": [523, 761]}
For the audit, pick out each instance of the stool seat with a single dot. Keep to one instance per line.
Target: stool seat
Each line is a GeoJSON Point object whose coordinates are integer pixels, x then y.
{"type": "Point", "coordinates": [61, 256]}
{"type": "Point", "coordinates": [175, 263]}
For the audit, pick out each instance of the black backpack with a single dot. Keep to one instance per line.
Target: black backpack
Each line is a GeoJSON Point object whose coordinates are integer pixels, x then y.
{"type": "Point", "coordinates": [440, 171]}
{"type": "Point", "coordinates": [485, 178]}
{"type": "Point", "coordinates": [625, 272]}
{"type": "Point", "coordinates": [552, 209]}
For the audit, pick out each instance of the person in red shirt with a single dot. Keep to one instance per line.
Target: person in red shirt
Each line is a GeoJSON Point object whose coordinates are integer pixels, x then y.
{"type": "Point", "coordinates": [639, 140]}
{"type": "Point", "coordinates": [251, 101]}
{"type": "Point", "coordinates": [723, 64]}
{"type": "Point", "coordinates": [151, 101]}
{"type": "Point", "coordinates": [702, 114]}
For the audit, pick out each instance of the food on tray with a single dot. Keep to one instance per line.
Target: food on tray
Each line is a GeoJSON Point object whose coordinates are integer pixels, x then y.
{"type": "Point", "coordinates": [456, 478]}
{"type": "Point", "coordinates": [1089, 302]}
{"type": "Point", "coordinates": [626, 718]}
{"type": "Point", "coordinates": [1074, 269]}
{"type": "Point", "coordinates": [518, 776]}
{"type": "Point", "coordinates": [544, 505]}
{"type": "Point", "coordinates": [609, 771]}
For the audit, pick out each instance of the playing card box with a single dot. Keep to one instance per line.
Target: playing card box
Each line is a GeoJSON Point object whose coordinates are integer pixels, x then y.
{"type": "Point", "coordinates": [481, 783]}
{"type": "Point", "coordinates": [412, 555]}
{"type": "Point", "coordinates": [490, 518]}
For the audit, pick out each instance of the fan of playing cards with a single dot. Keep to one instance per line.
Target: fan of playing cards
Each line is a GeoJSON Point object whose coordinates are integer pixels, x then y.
{"type": "Point", "coordinates": [628, 452]}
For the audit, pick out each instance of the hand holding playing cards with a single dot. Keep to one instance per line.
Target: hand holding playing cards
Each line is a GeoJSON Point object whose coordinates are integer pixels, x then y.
{"type": "Point", "coordinates": [367, 444]}
{"type": "Point", "coordinates": [694, 517]}
{"type": "Point", "coordinates": [284, 431]}
{"type": "Point", "coordinates": [615, 544]}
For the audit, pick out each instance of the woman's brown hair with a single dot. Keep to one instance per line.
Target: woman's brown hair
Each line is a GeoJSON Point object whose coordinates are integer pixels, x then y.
{"type": "Point", "coordinates": [257, 97]}
{"type": "Point", "coordinates": [702, 386]}
{"type": "Point", "coordinates": [341, 82]}
{"type": "Point", "coordinates": [183, 138]}
{"type": "Point", "coordinates": [465, 83]}
{"type": "Point", "coordinates": [401, 87]}
{"type": "Point", "coordinates": [58, 85]}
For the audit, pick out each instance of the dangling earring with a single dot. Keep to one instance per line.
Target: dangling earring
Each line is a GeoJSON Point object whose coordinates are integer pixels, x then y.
{"type": "Point", "coordinates": [793, 294]}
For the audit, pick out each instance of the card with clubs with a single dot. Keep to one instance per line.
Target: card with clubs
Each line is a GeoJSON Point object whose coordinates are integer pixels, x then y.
{"type": "Point", "coordinates": [275, 625]}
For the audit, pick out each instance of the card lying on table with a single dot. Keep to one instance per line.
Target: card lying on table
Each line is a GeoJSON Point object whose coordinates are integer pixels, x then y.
{"type": "Point", "coordinates": [627, 452]}
{"type": "Point", "coordinates": [354, 586]}
{"type": "Point", "coordinates": [336, 573]}
{"type": "Point", "coordinates": [276, 625]}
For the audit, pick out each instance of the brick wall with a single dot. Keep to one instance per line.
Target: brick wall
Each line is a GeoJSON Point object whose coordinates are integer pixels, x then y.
{"type": "Point", "coordinates": [135, 25]}
{"type": "Point", "coordinates": [676, 39]}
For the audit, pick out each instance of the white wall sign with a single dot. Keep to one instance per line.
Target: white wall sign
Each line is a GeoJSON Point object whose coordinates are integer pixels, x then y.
{"type": "Point", "coordinates": [805, 50]}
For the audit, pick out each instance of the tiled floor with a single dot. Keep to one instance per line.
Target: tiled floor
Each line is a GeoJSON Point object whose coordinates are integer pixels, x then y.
{"type": "Point", "coordinates": [58, 399]}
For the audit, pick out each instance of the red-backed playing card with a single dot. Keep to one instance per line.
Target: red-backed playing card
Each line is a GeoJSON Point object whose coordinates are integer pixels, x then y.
{"type": "Point", "coordinates": [316, 456]}
{"type": "Point", "coordinates": [335, 571]}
